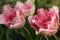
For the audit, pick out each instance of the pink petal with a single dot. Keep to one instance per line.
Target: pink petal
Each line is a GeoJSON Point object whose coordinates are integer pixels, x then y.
{"type": "Point", "coordinates": [19, 20]}
{"type": "Point", "coordinates": [8, 12]}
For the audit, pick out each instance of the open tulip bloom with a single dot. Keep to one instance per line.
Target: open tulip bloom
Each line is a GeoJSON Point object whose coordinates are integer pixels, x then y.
{"type": "Point", "coordinates": [12, 18]}
{"type": "Point", "coordinates": [15, 17]}
{"type": "Point", "coordinates": [45, 22]}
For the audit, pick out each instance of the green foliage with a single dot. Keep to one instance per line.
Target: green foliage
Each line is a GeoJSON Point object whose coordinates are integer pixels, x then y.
{"type": "Point", "coordinates": [26, 33]}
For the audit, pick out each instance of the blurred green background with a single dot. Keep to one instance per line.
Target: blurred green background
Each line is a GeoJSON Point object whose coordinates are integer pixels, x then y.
{"type": "Point", "coordinates": [27, 33]}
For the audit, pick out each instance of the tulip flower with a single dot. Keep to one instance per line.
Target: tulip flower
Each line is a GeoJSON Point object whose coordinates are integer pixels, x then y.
{"type": "Point", "coordinates": [12, 18]}
{"type": "Point", "coordinates": [28, 8]}
{"type": "Point", "coordinates": [45, 22]}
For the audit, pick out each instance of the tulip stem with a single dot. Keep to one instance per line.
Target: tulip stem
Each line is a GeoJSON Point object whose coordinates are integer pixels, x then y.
{"type": "Point", "coordinates": [56, 37]}
{"type": "Point", "coordinates": [7, 34]}
{"type": "Point", "coordinates": [46, 37]}
{"type": "Point", "coordinates": [41, 38]}
{"type": "Point", "coordinates": [28, 33]}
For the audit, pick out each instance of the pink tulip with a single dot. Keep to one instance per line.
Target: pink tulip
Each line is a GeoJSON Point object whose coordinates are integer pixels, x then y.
{"type": "Point", "coordinates": [15, 17]}
{"type": "Point", "coordinates": [46, 22]}
{"type": "Point", "coordinates": [12, 18]}
{"type": "Point", "coordinates": [28, 8]}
